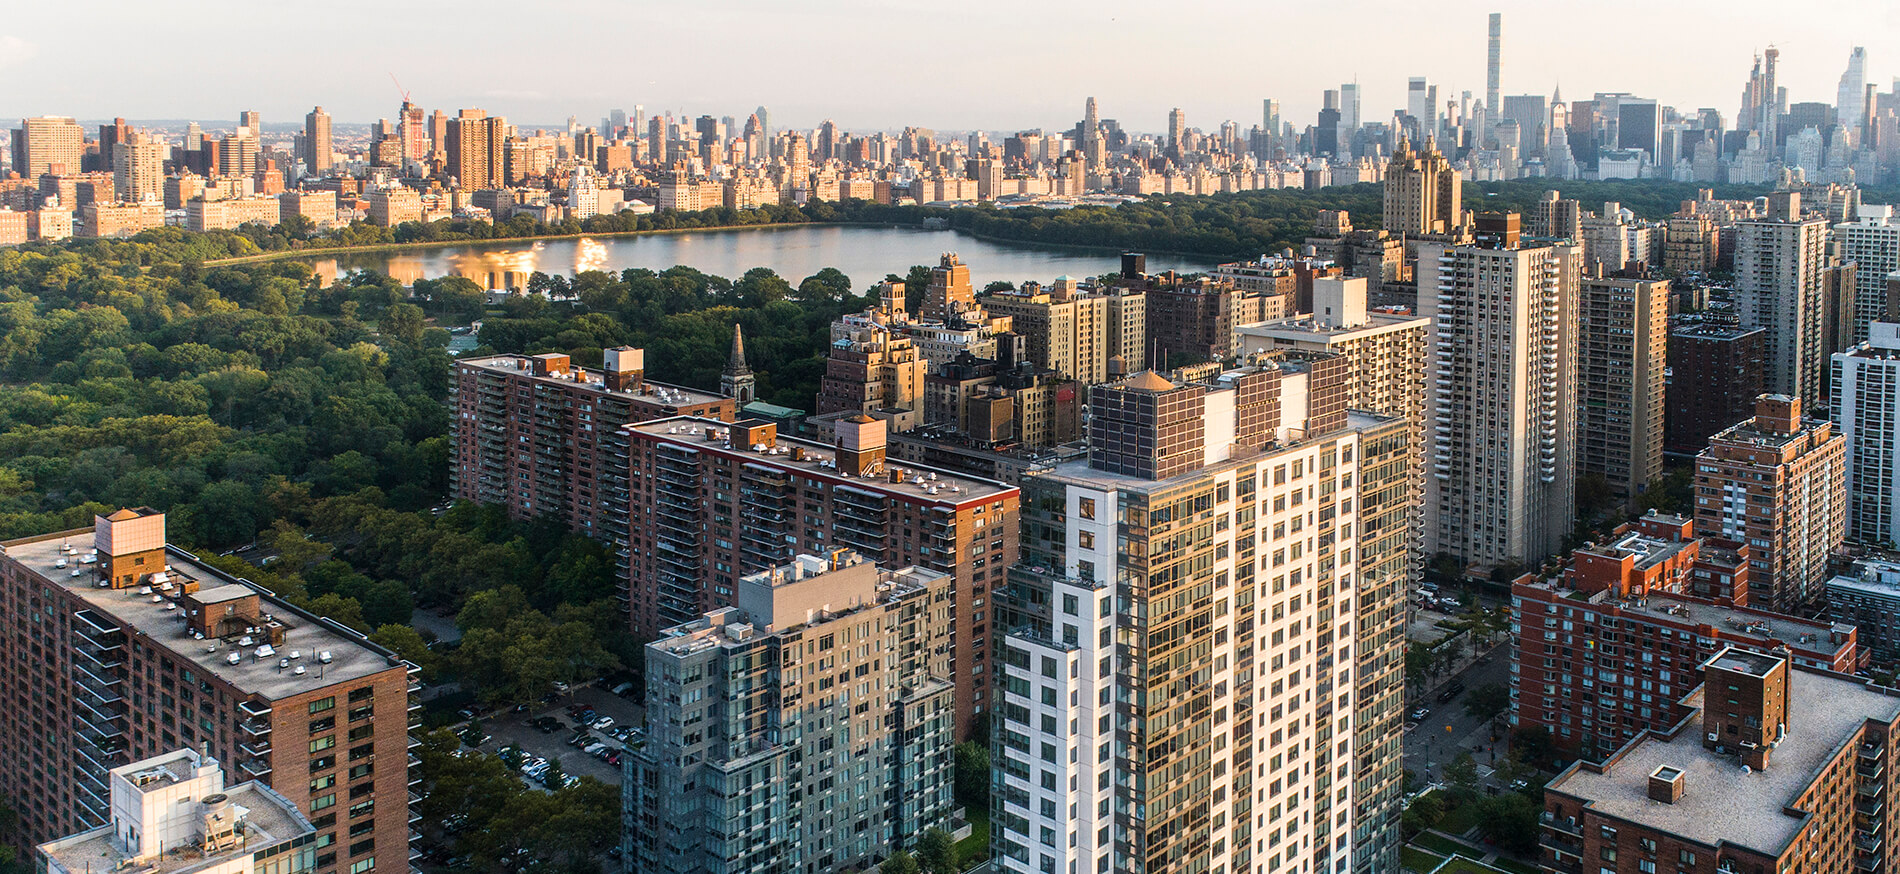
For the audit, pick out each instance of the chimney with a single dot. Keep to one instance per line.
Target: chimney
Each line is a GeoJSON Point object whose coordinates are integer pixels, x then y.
{"type": "Point", "coordinates": [625, 367]}
{"type": "Point", "coordinates": [1665, 785]}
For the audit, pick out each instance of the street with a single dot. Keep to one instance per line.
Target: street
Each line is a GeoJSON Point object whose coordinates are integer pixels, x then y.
{"type": "Point", "coordinates": [1448, 728]}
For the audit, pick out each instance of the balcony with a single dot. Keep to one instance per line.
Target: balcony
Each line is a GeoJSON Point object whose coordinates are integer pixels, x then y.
{"type": "Point", "coordinates": [254, 708]}
{"type": "Point", "coordinates": [256, 768]}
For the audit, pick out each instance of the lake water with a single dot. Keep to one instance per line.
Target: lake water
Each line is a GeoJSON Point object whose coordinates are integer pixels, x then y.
{"type": "Point", "coordinates": [865, 254]}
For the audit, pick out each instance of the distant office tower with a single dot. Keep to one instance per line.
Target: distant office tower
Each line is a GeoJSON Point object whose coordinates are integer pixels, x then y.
{"type": "Point", "coordinates": [1778, 483]}
{"type": "Point", "coordinates": [715, 501]}
{"type": "Point", "coordinates": [1421, 103]}
{"type": "Point", "coordinates": [1422, 192]}
{"type": "Point", "coordinates": [1532, 116]}
{"type": "Point", "coordinates": [1137, 626]}
{"type": "Point", "coordinates": [1715, 374]}
{"type": "Point", "coordinates": [1494, 53]}
{"type": "Point", "coordinates": [117, 647]}
{"type": "Point", "coordinates": [178, 804]}
{"type": "Point", "coordinates": [734, 774]}
{"type": "Point", "coordinates": [1177, 131]}
{"type": "Point", "coordinates": [1873, 243]}
{"type": "Point", "coordinates": [1553, 217]}
{"type": "Point", "coordinates": [1326, 131]}
{"type": "Point", "coordinates": [319, 152]}
{"type": "Point", "coordinates": [1622, 354]}
{"type": "Point", "coordinates": [1779, 262]}
{"type": "Point", "coordinates": [1823, 738]}
{"type": "Point", "coordinates": [1665, 601]}
{"type": "Point", "coordinates": [1270, 125]}
{"type": "Point", "coordinates": [1502, 410]}
{"type": "Point", "coordinates": [1866, 396]}
{"type": "Point", "coordinates": [138, 168]}
{"type": "Point", "coordinates": [475, 150]}
{"type": "Point", "coordinates": [252, 121]}
{"type": "Point", "coordinates": [1559, 160]}
{"type": "Point", "coordinates": [1639, 125]}
{"type": "Point", "coordinates": [538, 436]}
{"type": "Point", "coordinates": [47, 144]}
{"type": "Point", "coordinates": [1851, 99]}
{"type": "Point", "coordinates": [765, 123]}
{"type": "Point", "coordinates": [1349, 119]}
{"type": "Point", "coordinates": [412, 126]}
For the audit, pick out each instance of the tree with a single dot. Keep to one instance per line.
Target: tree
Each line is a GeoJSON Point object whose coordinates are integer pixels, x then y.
{"type": "Point", "coordinates": [1510, 821]}
{"type": "Point", "coordinates": [408, 644]}
{"type": "Point", "coordinates": [899, 862]}
{"type": "Point", "coordinates": [1535, 743]}
{"type": "Point", "coordinates": [402, 323]}
{"type": "Point", "coordinates": [1488, 700]}
{"type": "Point", "coordinates": [1593, 495]}
{"type": "Point", "coordinates": [973, 775]}
{"type": "Point", "coordinates": [1422, 814]}
{"type": "Point", "coordinates": [937, 852]}
{"type": "Point", "coordinates": [1462, 775]}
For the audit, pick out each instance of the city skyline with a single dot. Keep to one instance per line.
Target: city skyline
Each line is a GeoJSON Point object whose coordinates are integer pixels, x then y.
{"type": "Point", "coordinates": [987, 94]}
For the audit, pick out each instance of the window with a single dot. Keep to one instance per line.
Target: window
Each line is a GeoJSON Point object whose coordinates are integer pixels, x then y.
{"type": "Point", "coordinates": [1085, 540]}
{"type": "Point", "coordinates": [322, 783]}
{"type": "Point", "coordinates": [323, 743]}
{"type": "Point", "coordinates": [319, 706]}
{"type": "Point", "coordinates": [364, 866]}
{"type": "Point", "coordinates": [1087, 508]}
{"type": "Point", "coordinates": [322, 801]}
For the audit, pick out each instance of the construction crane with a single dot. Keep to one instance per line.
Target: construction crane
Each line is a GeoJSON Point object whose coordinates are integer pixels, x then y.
{"type": "Point", "coordinates": [401, 90]}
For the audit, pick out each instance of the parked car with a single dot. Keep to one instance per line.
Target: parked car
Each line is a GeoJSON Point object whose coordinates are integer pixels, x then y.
{"type": "Point", "coordinates": [623, 689]}
{"type": "Point", "coordinates": [593, 748]}
{"type": "Point", "coordinates": [1419, 714]}
{"type": "Point", "coordinates": [1451, 691]}
{"type": "Point", "coordinates": [602, 724]}
{"type": "Point", "coordinates": [546, 724]}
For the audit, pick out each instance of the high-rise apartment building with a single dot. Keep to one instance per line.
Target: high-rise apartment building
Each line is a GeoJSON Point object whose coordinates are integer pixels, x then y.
{"type": "Point", "coordinates": [1501, 410]}
{"type": "Point", "coordinates": [138, 168]}
{"type": "Point", "coordinates": [1194, 320]}
{"type": "Point", "coordinates": [1691, 245]}
{"type": "Point", "coordinates": [1494, 51]}
{"type": "Point", "coordinates": [949, 293]}
{"type": "Point", "coordinates": [1872, 242]}
{"type": "Point", "coordinates": [1201, 667]}
{"type": "Point", "coordinates": [1555, 218]}
{"type": "Point", "coordinates": [1866, 393]}
{"type": "Point", "coordinates": [1423, 193]}
{"type": "Point", "coordinates": [540, 436]}
{"type": "Point", "coordinates": [1606, 649]}
{"type": "Point", "coordinates": [174, 813]}
{"type": "Point", "coordinates": [807, 728]}
{"type": "Point", "coordinates": [1073, 329]}
{"type": "Point", "coordinates": [711, 502]}
{"type": "Point", "coordinates": [1774, 767]}
{"type": "Point", "coordinates": [476, 150]}
{"type": "Point", "coordinates": [1622, 352]}
{"type": "Point", "coordinates": [1777, 483]}
{"type": "Point", "coordinates": [47, 144]}
{"type": "Point", "coordinates": [115, 647]}
{"type": "Point", "coordinates": [319, 152]}
{"type": "Point", "coordinates": [1867, 598]}
{"type": "Point", "coordinates": [1715, 375]}
{"type": "Point", "coordinates": [872, 367]}
{"type": "Point", "coordinates": [1779, 261]}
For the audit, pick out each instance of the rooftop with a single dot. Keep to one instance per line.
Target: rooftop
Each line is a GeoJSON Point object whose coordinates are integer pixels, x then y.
{"type": "Point", "coordinates": [1722, 802]}
{"type": "Point", "coordinates": [919, 483]}
{"type": "Point", "coordinates": [1078, 471]}
{"type": "Point", "coordinates": [1647, 549]}
{"type": "Point", "coordinates": [1310, 329]}
{"type": "Point", "coordinates": [1870, 576]}
{"type": "Point", "coordinates": [1812, 635]}
{"type": "Point", "coordinates": [272, 672]}
{"type": "Point", "coordinates": [594, 379]}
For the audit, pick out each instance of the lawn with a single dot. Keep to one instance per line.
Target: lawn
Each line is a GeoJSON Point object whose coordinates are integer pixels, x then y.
{"type": "Point", "coordinates": [1442, 845]}
{"type": "Point", "coordinates": [1463, 865]}
{"type": "Point", "coordinates": [1458, 820]}
{"type": "Point", "coordinates": [976, 847]}
{"type": "Point", "coordinates": [1419, 861]}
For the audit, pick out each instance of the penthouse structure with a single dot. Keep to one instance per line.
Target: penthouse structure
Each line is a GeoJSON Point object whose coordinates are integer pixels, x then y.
{"type": "Point", "coordinates": [1773, 767]}
{"type": "Point", "coordinates": [1778, 483]}
{"type": "Point", "coordinates": [116, 647]}
{"type": "Point", "coordinates": [1607, 648]}
{"type": "Point", "coordinates": [1715, 375]}
{"type": "Point", "coordinates": [173, 814]}
{"type": "Point", "coordinates": [540, 436]}
{"type": "Point", "coordinates": [826, 692]}
{"type": "Point", "coordinates": [1201, 647]}
{"type": "Point", "coordinates": [710, 502]}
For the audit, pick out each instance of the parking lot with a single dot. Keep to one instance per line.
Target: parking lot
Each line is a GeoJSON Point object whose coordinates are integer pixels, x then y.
{"type": "Point", "coordinates": [504, 729]}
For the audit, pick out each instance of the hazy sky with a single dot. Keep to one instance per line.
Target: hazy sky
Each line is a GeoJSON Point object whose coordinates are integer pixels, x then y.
{"type": "Point", "coordinates": [988, 64]}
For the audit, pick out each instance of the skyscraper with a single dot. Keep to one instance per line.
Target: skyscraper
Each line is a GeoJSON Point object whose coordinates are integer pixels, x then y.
{"type": "Point", "coordinates": [138, 168]}
{"type": "Point", "coordinates": [1177, 131]}
{"type": "Point", "coordinates": [1160, 710]}
{"type": "Point", "coordinates": [1492, 109]}
{"type": "Point", "coordinates": [40, 145]}
{"type": "Point", "coordinates": [1872, 242]}
{"type": "Point", "coordinates": [319, 153]}
{"type": "Point", "coordinates": [476, 149]}
{"type": "Point", "coordinates": [1421, 103]}
{"type": "Point", "coordinates": [1851, 99]}
{"type": "Point", "coordinates": [1778, 483]}
{"type": "Point", "coordinates": [1622, 352]}
{"type": "Point", "coordinates": [1423, 192]}
{"type": "Point", "coordinates": [412, 127]}
{"type": "Point", "coordinates": [1866, 396]}
{"type": "Point", "coordinates": [1779, 287]}
{"type": "Point", "coordinates": [1270, 124]}
{"type": "Point", "coordinates": [1501, 487]}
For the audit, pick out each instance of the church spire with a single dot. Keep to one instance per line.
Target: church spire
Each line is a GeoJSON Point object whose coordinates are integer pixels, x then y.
{"type": "Point", "coordinates": [736, 381]}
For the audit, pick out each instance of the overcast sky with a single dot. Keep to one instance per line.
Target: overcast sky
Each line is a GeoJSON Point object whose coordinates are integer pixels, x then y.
{"type": "Point", "coordinates": [996, 65]}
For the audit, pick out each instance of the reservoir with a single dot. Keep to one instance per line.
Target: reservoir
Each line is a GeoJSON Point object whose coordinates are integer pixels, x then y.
{"type": "Point", "coordinates": [866, 254]}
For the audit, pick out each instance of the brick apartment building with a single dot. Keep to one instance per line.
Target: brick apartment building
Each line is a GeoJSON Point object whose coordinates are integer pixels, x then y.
{"type": "Point", "coordinates": [710, 502]}
{"type": "Point", "coordinates": [116, 647]}
{"type": "Point", "coordinates": [1715, 374]}
{"type": "Point", "coordinates": [1774, 767]}
{"type": "Point", "coordinates": [1606, 650]}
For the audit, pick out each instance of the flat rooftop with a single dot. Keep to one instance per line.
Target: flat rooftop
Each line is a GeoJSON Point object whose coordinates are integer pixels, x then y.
{"type": "Point", "coordinates": [269, 820]}
{"type": "Point", "coordinates": [1740, 661]}
{"type": "Point", "coordinates": [1720, 802]}
{"type": "Point", "coordinates": [1647, 549]}
{"type": "Point", "coordinates": [162, 620]}
{"type": "Point", "coordinates": [1078, 472]}
{"type": "Point", "coordinates": [1310, 330]}
{"type": "Point", "coordinates": [1687, 610]}
{"type": "Point", "coordinates": [1871, 576]}
{"type": "Point", "coordinates": [594, 379]}
{"type": "Point", "coordinates": [921, 483]}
